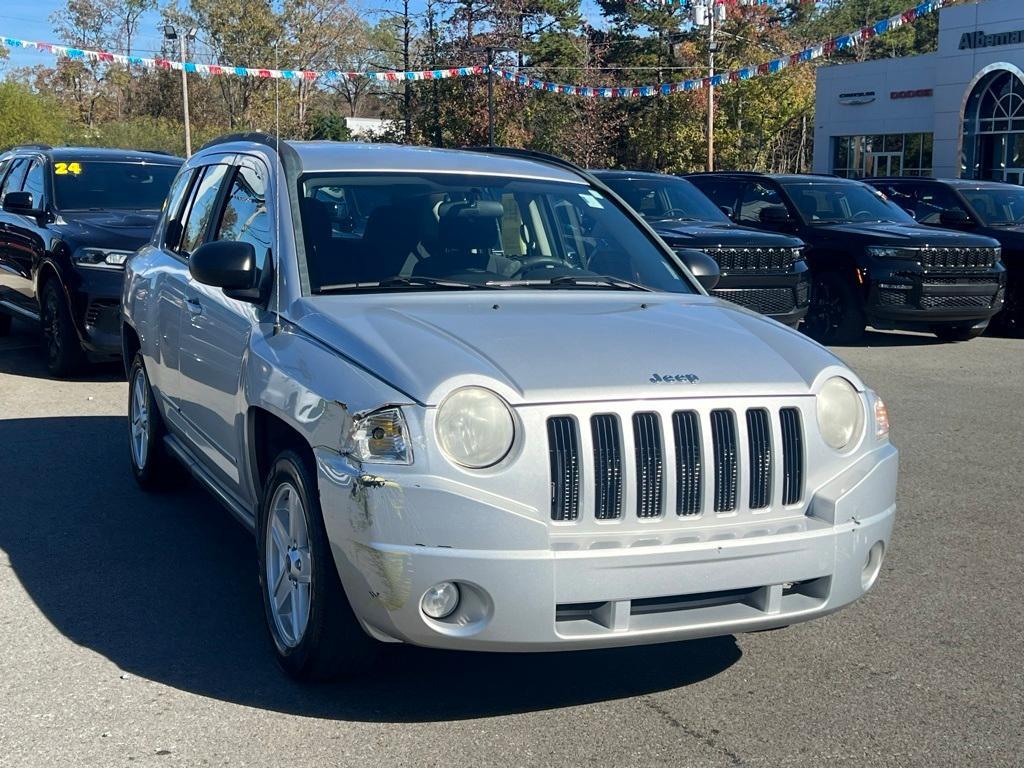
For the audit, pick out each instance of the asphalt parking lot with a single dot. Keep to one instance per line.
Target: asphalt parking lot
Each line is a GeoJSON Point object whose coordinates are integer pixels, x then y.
{"type": "Point", "coordinates": [131, 629]}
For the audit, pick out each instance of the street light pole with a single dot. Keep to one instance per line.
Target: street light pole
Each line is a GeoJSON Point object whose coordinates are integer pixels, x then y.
{"type": "Point", "coordinates": [712, 47]}
{"type": "Point", "coordinates": [171, 33]}
{"type": "Point", "coordinates": [490, 96]}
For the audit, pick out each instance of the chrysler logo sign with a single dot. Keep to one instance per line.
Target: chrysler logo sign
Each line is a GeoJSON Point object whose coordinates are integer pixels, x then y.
{"type": "Point", "coordinates": [859, 97]}
{"type": "Point", "coordinates": [980, 40]}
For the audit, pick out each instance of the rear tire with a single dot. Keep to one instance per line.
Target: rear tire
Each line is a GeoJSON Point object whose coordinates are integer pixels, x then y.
{"type": "Point", "coordinates": [314, 632]}
{"type": "Point", "coordinates": [64, 354]}
{"type": "Point", "coordinates": [836, 314]}
{"type": "Point", "coordinates": [959, 332]}
{"type": "Point", "coordinates": [153, 467]}
{"type": "Point", "coordinates": [5, 324]}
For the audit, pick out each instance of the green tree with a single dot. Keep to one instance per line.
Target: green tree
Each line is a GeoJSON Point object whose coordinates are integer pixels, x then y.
{"type": "Point", "coordinates": [27, 117]}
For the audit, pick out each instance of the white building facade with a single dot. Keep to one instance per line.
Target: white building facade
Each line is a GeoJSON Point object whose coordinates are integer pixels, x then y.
{"type": "Point", "coordinates": [957, 112]}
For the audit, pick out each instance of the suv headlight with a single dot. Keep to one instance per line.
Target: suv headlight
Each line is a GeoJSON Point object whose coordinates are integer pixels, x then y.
{"type": "Point", "coordinates": [840, 413]}
{"type": "Point", "coordinates": [382, 438]}
{"type": "Point", "coordinates": [100, 258]}
{"type": "Point", "coordinates": [892, 252]}
{"type": "Point", "coordinates": [475, 427]}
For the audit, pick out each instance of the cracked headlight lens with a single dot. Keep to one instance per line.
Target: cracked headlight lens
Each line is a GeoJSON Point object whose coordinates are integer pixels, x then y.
{"type": "Point", "coordinates": [475, 427]}
{"type": "Point", "coordinates": [840, 413]}
{"type": "Point", "coordinates": [382, 438]}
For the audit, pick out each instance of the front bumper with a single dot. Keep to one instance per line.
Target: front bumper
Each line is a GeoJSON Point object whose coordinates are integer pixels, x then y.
{"type": "Point", "coordinates": [392, 542]}
{"type": "Point", "coordinates": [907, 299]}
{"type": "Point", "coordinates": [96, 303]}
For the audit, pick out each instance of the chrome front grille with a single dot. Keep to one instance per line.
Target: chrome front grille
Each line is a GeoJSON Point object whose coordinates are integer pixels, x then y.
{"type": "Point", "coordinates": [683, 463]}
{"type": "Point", "coordinates": [754, 259]}
{"type": "Point", "coordinates": [946, 258]}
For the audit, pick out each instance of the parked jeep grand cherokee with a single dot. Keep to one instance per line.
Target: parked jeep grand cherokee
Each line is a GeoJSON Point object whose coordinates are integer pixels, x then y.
{"type": "Point", "coordinates": [70, 218]}
{"type": "Point", "coordinates": [483, 424]}
{"type": "Point", "coordinates": [988, 208]}
{"type": "Point", "coordinates": [870, 261]}
{"type": "Point", "coordinates": [762, 271]}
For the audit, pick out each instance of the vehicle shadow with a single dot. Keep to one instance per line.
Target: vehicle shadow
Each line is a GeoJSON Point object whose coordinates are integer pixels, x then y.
{"type": "Point", "coordinates": [165, 588]}
{"type": "Point", "coordinates": [21, 354]}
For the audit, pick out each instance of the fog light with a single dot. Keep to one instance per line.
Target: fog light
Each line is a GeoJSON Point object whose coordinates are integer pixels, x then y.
{"type": "Point", "coordinates": [872, 565]}
{"type": "Point", "coordinates": [440, 600]}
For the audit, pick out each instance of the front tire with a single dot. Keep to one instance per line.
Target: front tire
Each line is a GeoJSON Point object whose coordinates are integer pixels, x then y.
{"type": "Point", "coordinates": [64, 355]}
{"type": "Point", "coordinates": [314, 632]}
{"type": "Point", "coordinates": [836, 314]}
{"type": "Point", "coordinates": [153, 468]}
{"type": "Point", "coordinates": [959, 332]}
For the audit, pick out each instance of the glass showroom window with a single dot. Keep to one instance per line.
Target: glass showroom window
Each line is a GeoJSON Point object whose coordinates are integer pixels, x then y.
{"type": "Point", "coordinates": [892, 154]}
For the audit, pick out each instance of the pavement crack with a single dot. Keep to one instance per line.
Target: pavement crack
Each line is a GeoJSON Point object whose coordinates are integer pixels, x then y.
{"type": "Point", "coordinates": [704, 738]}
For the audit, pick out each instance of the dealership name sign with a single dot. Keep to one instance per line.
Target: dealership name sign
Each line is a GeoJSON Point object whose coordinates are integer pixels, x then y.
{"type": "Point", "coordinates": [980, 40]}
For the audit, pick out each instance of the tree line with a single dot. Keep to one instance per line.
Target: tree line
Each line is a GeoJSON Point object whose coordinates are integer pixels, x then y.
{"type": "Point", "coordinates": [765, 123]}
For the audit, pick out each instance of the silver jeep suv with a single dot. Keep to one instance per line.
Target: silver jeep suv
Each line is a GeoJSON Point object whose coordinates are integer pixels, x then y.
{"type": "Point", "coordinates": [470, 400]}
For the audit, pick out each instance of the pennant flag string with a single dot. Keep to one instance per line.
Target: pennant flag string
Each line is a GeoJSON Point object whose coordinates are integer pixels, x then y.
{"type": "Point", "coordinates": [810, 53]}
{"type": "Point", "coordinates": [63, 51]}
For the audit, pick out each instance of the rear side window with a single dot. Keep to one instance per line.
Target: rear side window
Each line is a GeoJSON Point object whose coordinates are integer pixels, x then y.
{"type": "Point", "coordinates": [245, 213]}
{"type": "Point", "coordinates": [757, 197]}
{"type": "Point", "coordinates": [201, 210]}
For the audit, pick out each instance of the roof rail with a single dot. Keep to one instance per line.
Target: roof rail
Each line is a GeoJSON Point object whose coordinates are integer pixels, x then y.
{"type": "Point", "coordinates": [259, 137]}
{"type": "Point", "coordinates": [32, 146]}
{"type": "Point", "coordinates": [532, 154]}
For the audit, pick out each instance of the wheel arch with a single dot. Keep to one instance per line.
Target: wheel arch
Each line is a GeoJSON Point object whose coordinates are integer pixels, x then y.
{"type": "Point", "coordinates": [267, 434]}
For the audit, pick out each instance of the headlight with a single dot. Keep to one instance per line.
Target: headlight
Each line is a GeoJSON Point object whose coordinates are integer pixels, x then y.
{"type": "Point", "coordinates": [100, 258]}
{"type": "Point", "coordinates": [840, 413]}
{"type": "Point", "coordinates": [382, 438]}
{"type": "Point", "coordinates": [475, 427]}
{"type": "Point", "coordinates": [889, 252]}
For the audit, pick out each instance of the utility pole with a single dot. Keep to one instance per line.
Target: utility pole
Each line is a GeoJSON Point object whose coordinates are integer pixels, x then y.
{"type": "Point", "coordinates": [490, 50]}
{"type": "Point", "coordinates": [171, 33]}
{"type": "Point", "coordinates": [706, 14]}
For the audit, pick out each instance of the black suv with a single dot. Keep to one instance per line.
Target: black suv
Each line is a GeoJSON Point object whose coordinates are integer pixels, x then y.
{"type": "Point", "coordinates": [762, 271]}
{"type": "Point", "coordinates": [984, 207]}
{"type": "Point", "coordinates": [70, 217]}
{"type": "Point", "coordinates": [870, 261]}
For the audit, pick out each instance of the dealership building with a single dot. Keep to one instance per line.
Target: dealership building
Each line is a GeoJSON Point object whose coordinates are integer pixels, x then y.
{"type": "Point", "coordinates": [957, 112]}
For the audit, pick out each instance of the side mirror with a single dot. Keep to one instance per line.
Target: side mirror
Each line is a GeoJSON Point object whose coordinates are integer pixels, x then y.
{"type": "Point", "coordinates": [955, 217]}
{"type": "Point", "coordinates": [911, 213]}
{"type": "Point", "coordinates": [726, 209]}
{"type": "Point", "coordinates": [776, 215]}
{"type": "Point", "coordinates": [20, 203]}
{"type": "Point", "coordinates": [229, 265]}
{"type": "Point", "coordinates": [703, 267]}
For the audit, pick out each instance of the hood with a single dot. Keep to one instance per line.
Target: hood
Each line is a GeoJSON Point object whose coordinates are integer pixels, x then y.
{"type": "Point", "coordinates": [123, 230]}
{"type": "Point", "coordinates": [706, 234]}
{"type": "Point", "coordinates": [888, 233]}
{"type": "Point", "coordinates": [561, 346]}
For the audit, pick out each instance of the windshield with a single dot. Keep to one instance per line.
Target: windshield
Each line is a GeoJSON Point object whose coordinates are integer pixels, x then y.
{"type": "Point", "coordinates": [665, 198]}
{"type": "Point", "coordinates": [836, 203]}
{"type": "Point", "coordinates": [997, 207]}
{"type": "Point", "coordinates": [438, 231]}
{"type": "Point", "coordinates": [100, 184]}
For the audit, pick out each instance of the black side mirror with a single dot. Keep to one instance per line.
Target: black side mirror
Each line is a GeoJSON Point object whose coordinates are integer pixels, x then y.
{"type": "Point", "coordinates": [775, 215]}
{"type": "Point", "coordinates": [955, 217]}
{"type": "Point", "coordinates": [703, 267]}
{"type": "Point", "coordinates": [726, 209]}
{"type": "Point", "coordinates": [20, 203]}
{"type": "Point", "coordinates": [229, 265]}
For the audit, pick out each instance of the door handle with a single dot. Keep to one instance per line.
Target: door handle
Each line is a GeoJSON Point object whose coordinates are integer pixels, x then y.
{"type": "Point", "coordinates": [194, 307]}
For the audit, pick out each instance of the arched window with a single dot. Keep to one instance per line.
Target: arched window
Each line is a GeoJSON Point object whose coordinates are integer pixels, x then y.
{"type": "Point", "coordinates": [994, 129]}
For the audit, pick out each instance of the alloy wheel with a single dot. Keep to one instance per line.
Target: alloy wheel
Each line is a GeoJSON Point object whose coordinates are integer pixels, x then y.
{"type": "Point", "coordinates": [139, 419]}
{"type": "Point", "coordinates": [289, 565]}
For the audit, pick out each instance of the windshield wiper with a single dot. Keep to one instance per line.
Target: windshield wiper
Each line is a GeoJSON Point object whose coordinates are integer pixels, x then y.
{"type": "Point", "coordinates": [581, 281]}
{"type": "Point", "coordinates": [402, 282]}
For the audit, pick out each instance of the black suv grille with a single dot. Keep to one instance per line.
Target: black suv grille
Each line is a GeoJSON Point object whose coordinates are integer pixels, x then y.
{"type": "Point", "coordinates": [945, 258]}
{"type": "Point", "coordinates": [767, 301]}
{"type": "Point", "coordinates": [754, 259]}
